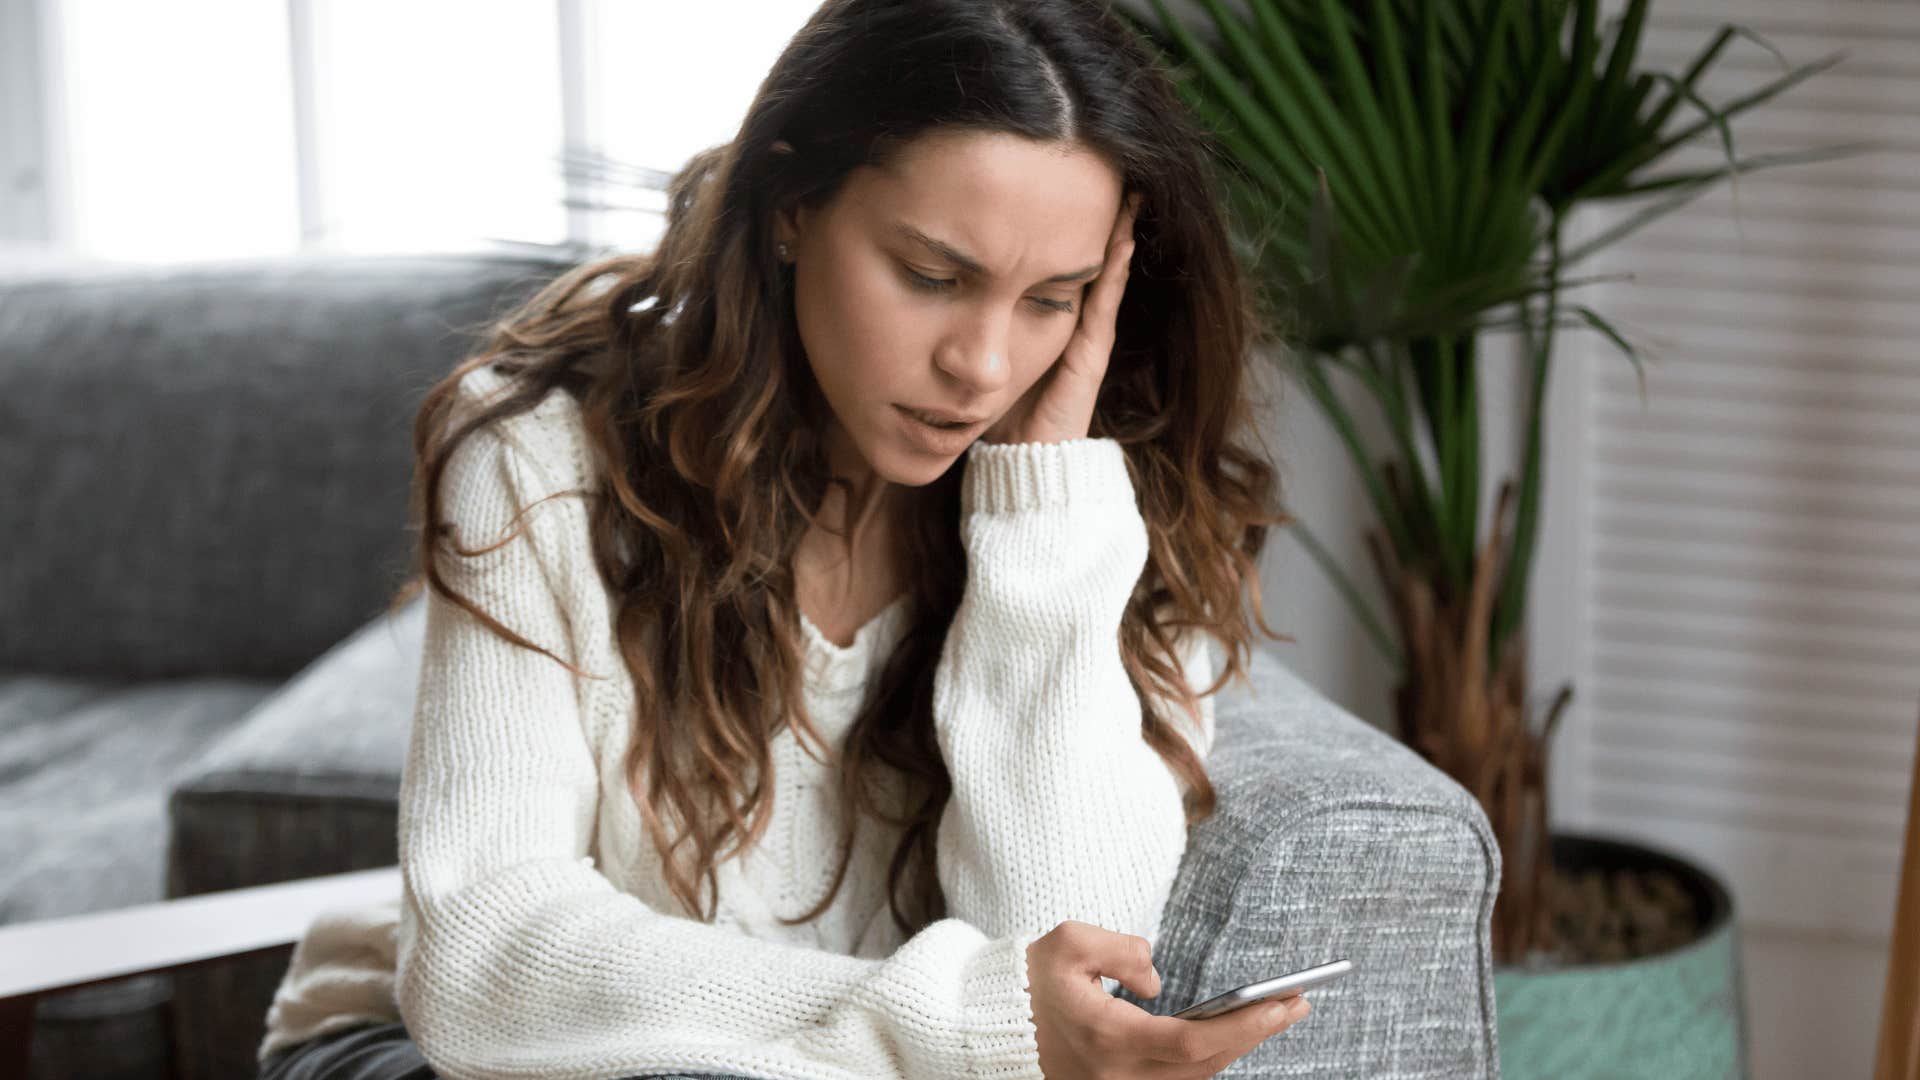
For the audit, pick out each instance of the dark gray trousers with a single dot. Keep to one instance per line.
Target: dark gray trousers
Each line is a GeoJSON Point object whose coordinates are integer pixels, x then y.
{"type": "Point", "coordinates": [377, 1052]}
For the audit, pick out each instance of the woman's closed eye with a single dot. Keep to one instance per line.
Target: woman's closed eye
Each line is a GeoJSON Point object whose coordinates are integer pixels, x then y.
{"type": "Point", "coordinates": [940, 285]}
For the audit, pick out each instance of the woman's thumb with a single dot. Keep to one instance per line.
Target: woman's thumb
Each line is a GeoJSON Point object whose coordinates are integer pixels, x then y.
{"type": "Point", "coordinates": [1129, 962]}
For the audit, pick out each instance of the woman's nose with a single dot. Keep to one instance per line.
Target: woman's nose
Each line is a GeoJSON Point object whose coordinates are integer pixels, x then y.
{"type": "Point", "coordinates": [979, 359]}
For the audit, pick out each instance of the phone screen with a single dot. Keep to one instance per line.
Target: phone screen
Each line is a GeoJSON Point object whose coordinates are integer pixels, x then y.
{"type": "Point", "coordinates": [1284, 986]}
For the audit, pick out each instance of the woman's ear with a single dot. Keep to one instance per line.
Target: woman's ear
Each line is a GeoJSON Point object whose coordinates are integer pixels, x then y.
{"type": "Point", "coordinates": [790, 227]}
{"type": "Point", "coordinates": [786, 226]}
{"type": "Point", "coordinates": [789, 219]}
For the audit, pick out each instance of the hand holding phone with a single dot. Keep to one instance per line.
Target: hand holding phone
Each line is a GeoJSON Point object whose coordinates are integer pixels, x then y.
{"type": "Point", "coordinates": [1284, 986]}
{"type": "Point", "coordinates": [1082, 1030]}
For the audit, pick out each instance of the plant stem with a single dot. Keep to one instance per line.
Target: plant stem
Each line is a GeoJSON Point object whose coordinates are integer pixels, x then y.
{"type": "Point", "coordinates": [1467, 542]}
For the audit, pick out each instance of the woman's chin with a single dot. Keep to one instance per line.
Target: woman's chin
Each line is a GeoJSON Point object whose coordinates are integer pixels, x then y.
{"type": "Point", "coordinates": [918, 469]}
{"type": "Point", "coordinates": [914, 466]}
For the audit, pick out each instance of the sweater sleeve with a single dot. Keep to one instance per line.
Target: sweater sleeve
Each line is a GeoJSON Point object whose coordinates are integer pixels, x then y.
{"type": "Point", "coordinates": [518, 959]}
{"type": "Point", "coordinates": [1060, 809]}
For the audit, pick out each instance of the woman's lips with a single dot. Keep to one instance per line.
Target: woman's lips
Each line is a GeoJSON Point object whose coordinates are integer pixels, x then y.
{"type": "Point", "coordinates": [935, 438]}
{"type": "Point", "coordinates": [939, 417]}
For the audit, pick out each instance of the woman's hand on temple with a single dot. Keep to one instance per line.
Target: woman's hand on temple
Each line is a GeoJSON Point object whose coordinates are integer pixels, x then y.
{"type": "Point", "coordinates": [1060, 405]}
{"type": "Point", "coordinates": [1085, 1032]}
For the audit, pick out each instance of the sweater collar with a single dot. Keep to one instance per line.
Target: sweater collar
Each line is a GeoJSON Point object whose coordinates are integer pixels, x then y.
{"type": "Point", "coordinates": [835, 669]}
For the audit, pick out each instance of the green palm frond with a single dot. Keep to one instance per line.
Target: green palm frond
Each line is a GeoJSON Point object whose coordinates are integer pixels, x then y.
{"type": "Point", "coordinates": [1399, 170]}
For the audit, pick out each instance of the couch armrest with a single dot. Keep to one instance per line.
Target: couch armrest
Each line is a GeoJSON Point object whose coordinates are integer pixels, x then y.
{"type": "Point", "coordinates": [307, 784]}
{"type": "Point", "coordinates": [1332, 839]}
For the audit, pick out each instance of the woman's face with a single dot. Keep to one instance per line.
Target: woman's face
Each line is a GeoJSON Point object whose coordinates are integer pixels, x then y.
{"type": "Point", "coordinates": [949, 281]}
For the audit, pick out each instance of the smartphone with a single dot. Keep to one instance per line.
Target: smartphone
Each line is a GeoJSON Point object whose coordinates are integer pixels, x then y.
{"type": "Point", "coordinates": [1284, 986]}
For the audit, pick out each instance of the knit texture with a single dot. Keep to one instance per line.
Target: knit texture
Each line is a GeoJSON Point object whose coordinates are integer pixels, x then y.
{"type": "Point", "coordinates": [536, 937]}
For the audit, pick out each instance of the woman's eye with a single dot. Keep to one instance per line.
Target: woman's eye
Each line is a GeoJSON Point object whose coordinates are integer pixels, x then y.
{"type": "Point", "coordinates": [939, 285]}
{"type": "Point", "coordinates": [923, 282]}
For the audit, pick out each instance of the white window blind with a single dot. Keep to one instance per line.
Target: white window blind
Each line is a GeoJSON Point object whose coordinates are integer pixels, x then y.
{"type": "Point", "coordinates": [1752, 557]}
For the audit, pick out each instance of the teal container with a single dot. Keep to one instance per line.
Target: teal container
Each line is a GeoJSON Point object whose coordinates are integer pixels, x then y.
{"type": "Point", "coordinates": [1677, 1015]}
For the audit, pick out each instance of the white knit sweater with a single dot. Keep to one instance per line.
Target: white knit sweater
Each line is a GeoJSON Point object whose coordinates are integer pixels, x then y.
{"type": "Point", "coordinates": [536, 937]}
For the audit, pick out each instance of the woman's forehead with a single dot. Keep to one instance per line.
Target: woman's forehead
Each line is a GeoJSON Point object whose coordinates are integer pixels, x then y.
{"type": "Point", "coordinates": [996, 198]}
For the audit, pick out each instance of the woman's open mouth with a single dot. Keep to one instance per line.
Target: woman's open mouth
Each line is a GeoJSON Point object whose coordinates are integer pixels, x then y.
{"type": "Point", "coordinates": [933, 421]}
{"type": "Point", "coordinates": [936, 436]}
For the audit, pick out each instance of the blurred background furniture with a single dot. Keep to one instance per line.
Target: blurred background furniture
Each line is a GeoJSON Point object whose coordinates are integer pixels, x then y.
{"type": "Point", "coordinates": [206, 470]}
{"type": "Point", "coordinates": [200, 690]}
{"type": "Point", "coordinates": [48, 956]}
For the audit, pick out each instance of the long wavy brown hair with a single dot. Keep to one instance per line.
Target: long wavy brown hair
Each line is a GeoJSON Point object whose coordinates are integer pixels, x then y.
{"type": "Point", "coordinates": [694, 535]}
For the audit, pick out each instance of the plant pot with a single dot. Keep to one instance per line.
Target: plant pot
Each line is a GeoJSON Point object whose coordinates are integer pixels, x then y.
{"type": "Point", "coordinates": [1674, 1014]}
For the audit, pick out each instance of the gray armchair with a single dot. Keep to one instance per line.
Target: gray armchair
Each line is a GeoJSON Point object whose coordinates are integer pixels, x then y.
{"type": "Point", "coordinates": [205, 473]}
{"type": "Point", "coordinates": [259, 412]}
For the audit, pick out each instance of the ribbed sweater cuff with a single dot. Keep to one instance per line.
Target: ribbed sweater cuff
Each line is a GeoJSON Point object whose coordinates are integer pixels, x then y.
{"type": "Point", "coordinates": [1007, 477]}
{"type": "Point", "coordinates": [1001, 1039]}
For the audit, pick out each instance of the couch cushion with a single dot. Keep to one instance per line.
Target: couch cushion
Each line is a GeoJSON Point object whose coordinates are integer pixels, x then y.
{"type": "Point", "coordinates": [308, 783]}
{"type": "Point", "coordinates": [208, 464]}
{"type": "Point", "coordinates": [85, 768]}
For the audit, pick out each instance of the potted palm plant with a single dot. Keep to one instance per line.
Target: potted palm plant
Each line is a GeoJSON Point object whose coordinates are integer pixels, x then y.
{"type": "Point", "coordinates": [1402, 173]}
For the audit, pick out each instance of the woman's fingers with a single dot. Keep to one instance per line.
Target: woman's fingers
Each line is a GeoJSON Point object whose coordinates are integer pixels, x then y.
{"type": "Point", "coordinates": [1112, 282]}
{"type": "Point", "coordinates": [1214, 1041]}
{"type": "Point", "coordinates": [1093, 339]}
{"type": "Point", "coordinates": [1297, 1012]}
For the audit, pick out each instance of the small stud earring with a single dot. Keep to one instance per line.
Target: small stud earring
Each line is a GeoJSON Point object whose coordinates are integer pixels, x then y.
{"type": "Point", "coordinates": [783, 249]}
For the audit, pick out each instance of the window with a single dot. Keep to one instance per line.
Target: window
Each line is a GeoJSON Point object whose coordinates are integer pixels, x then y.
{"type": "Point", "coordinates": [228, 128]}
{"type": "Point", "coordinates": [176, 133]}
{"type": "Point", "coordinates": [670, 80]}
{"type": "Point", "coordinates": [436, 124]}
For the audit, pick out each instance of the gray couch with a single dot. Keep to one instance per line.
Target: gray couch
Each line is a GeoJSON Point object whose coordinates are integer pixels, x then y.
{"type": "Point", "coordinates": [206, 472]}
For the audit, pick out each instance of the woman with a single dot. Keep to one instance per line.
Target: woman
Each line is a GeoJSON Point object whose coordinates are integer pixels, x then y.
{"type": "Point", "coordinates": [768, 726]}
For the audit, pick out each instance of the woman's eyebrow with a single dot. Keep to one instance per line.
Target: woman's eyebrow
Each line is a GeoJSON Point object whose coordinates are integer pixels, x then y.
{"type": "Point", "coordinates": [971, 265]}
